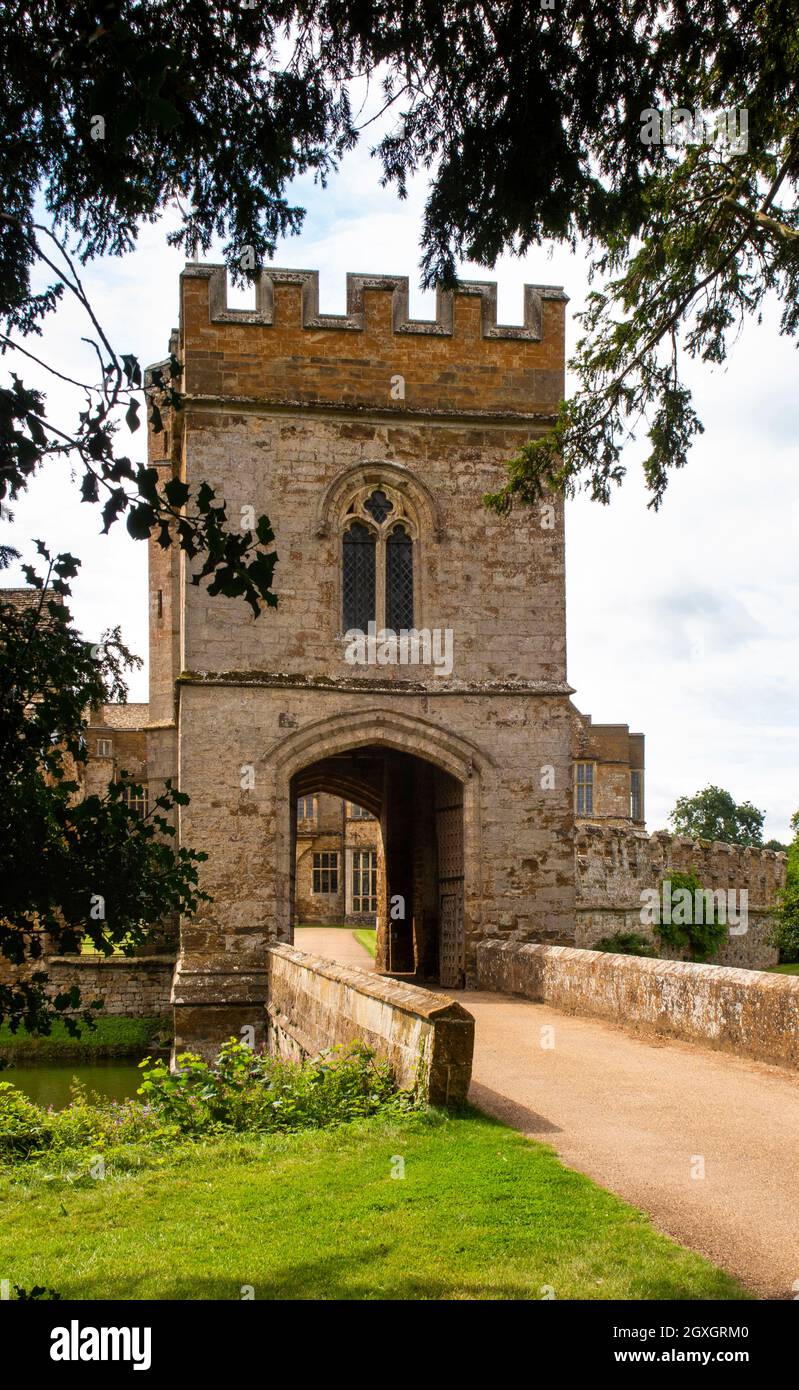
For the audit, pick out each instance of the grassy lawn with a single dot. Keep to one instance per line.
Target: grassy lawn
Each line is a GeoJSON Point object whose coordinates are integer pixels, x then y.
{"type": "Point", "coordinates": [111, 1036]}
{"type": "Point", "coordinates": [480, 1213]}
{"type": "Point", "coordinates": [784, 969]}
{"type": "Point", "coordinates": [366, 936]}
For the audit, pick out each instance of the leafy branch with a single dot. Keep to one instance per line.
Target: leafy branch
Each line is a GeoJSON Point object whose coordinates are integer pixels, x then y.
{"type": "Point", "coordinates": [71, 865]}
{"type": "Point", "coordinates": [237, 564]}
{"type": "Point", "coordinates": [694, 279]}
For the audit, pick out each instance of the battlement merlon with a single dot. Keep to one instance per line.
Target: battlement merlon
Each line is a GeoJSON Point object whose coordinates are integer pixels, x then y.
{"type": "Point", "coordinates": [374, 356]}
{"type": "Point", "coordinates": [610, 856]}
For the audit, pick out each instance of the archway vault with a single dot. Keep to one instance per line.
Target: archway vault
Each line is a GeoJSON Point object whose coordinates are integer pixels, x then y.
{"type": "Point", "coordinates": [383, 726]}
{"type": "Point", "coordinates": [339, 777]}
{"type": "Point", "coordinates": [333, 754]}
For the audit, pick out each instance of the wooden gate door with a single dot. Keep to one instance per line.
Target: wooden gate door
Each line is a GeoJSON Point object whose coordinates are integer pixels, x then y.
{"type": "Point", "coordinates": [449, 835]}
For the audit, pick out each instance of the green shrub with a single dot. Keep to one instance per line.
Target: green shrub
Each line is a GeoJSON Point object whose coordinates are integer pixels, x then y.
{"type": "Point", "coordinates": [243, 1091]}
{"type": "Point", "coordinates": [626, 943]}
{"type": "Point", "coordinates": [246, 1090]}
{"type": "Point", "coordinates": [86, 1122]}
{"type": "Point", "coordinates": [786, 930]}
{"type": "Point", "coordinates": [89, 1121]}
{"type": "Point", "coordinates": [699, 938]}
{"type": "Point", "coordinates": [24, 1127]}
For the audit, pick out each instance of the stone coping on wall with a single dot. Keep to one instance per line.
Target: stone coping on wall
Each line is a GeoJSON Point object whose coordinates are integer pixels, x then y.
{"type": "Point", "coordinates": [85, 961]}
{"type": "Point", "coordinates": [313, 1004]}
{"type": "Point", "coordinates": [502, 419]}
{"type": "Point", "coordinates": [377, 685]}
{"type": "Point", "coordinates": [746, 1012]}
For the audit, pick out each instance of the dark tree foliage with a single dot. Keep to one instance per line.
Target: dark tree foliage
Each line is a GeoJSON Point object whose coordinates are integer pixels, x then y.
{"type": "Point", "coordinates": [71, 866]}
{"type": "Point", "coordinates": [713, 814]}
{"type": "Point", "coordinates": [530, 124]}
{"type": "Point", "coordinates": [112, 113]}
{"type": "Point", "coordinates": [698, 928]}
{"type": "Point", "coordinates": [786, 934]}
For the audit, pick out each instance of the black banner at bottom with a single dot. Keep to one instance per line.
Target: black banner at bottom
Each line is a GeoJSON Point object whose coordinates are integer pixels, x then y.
{"type": "Point", "coordinates": [61, 1340]}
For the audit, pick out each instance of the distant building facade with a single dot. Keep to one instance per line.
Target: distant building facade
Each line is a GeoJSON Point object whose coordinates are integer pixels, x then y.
{"type": "Point", "coordinates": [338, 862]}
{"type": "Point", "coordinates": [607, 773]}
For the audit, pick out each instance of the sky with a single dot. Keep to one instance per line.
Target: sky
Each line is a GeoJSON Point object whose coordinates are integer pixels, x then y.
{"type": "Point", "coordinates": [683, 623]}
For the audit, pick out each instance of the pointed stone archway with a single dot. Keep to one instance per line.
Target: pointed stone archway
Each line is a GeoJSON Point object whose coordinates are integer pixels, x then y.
{"type": "Point", "coordinates": [423, 784]}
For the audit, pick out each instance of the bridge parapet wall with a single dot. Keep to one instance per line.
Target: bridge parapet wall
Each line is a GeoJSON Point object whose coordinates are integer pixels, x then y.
{"type": "Point", "coordinates": [740, 1011]}
{"type": "Point", "coordinates": [313, 1004]}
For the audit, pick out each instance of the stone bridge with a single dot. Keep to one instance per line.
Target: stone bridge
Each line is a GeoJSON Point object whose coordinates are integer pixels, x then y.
{"type": "Point", "coordinates": [673, 1085]}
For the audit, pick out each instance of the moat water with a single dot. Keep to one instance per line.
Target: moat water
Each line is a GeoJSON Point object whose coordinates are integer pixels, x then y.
{"type": "Point", "coordinates": [48, 1083]}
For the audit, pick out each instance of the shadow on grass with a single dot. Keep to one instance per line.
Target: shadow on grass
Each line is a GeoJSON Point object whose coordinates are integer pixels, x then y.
{"type": "Point", "coordinates": [501, 1110]}
{"type": "Point", "coordinates": [354, 1277]}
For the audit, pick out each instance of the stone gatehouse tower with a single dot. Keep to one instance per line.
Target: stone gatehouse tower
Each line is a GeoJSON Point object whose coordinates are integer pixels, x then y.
{"type": "Point", "coordinates": [369, 439]}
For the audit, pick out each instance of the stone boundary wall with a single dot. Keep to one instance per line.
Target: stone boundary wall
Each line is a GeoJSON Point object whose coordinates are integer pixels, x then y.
{"type": "Point", "coordinates": [752, 1015]}
{"type": "Point", "coordinates": [313, 1004]}
{"type": "Point", "coordinates": [615, 864]}
{"type": "Point", "coordinates": [132, 986]}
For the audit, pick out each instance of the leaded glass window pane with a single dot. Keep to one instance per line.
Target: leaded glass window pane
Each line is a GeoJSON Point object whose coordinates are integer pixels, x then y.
{"type": "Point", "coordinates": [364, 881]}
{"type": "Point", "coordinates": [378, 506]}
{"type": "Point", "coordinates": [399, 580]}
{"type": "Point", "coordinates": [585, 789]}
{"type": "Point", "coordinates": [136, 800]}
{"type": "Point", "coordinates": [325, 872]}
{"type": "Point", "coordinates": [358, 580]}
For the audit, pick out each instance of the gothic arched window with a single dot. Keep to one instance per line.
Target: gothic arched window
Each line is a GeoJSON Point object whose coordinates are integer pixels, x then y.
{"type": "Point", "coordinates": [378, 561]}
{"type": "Point", "coordinates": [359, 576]}
{"type": "Point", "coordinates": [399, 579]}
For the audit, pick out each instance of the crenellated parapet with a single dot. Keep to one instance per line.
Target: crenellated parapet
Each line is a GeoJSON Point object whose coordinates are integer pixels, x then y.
{"type": "Point", "coordinates": [284, 351]}
{"type": "Point", "coordinates": [354, 320]}
{"type": "Point", "coordinates": [614, 864]}
{"type": "Point", "coordinates": [617, 866]}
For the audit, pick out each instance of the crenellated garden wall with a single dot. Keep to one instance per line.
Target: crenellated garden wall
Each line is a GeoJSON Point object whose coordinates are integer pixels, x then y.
{"type": "Point", "coordinates": [614, 865]}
